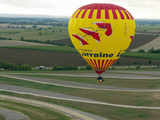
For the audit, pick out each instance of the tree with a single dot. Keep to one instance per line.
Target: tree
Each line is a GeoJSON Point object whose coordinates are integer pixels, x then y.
{"type": "Point", "coordinates": [150, 62]}
{"type": "Point", "coordinates": [40, 33]}
{"type": "Point", "coordinates": [138, 67]}
{"type": "Point", "coordinates": [141, 51]}
{"type": "Point", "coordinates": [22, 38]}
{"type": "Point", "coordinates": [151, 50]}
{"type": "Point", "coordinates": [88, 67]}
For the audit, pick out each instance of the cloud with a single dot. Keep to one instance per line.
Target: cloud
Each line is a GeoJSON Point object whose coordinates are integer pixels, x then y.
{"type": "Point", "coordinates": [140, 8]}
{"type": "Point", "coordinates": [30, 3]}
{"type": "Point", "coordinates": [145, 8]}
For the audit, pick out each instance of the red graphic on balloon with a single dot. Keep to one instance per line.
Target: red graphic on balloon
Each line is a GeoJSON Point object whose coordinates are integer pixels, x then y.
{"type": "Point", "coordinates": [105, 26]}
{"type": "Point", "coordinates": [94, 34]}
{"type": "Point", "coordinates": [132, 37]}
{"type": "Point", "coordinates": [81, 39]}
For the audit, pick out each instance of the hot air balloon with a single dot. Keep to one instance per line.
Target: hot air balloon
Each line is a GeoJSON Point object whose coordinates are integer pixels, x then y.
{"type": "Point", "coordinates": [101, 33]}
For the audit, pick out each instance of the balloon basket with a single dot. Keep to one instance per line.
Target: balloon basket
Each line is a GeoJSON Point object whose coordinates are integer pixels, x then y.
{"type": "Point", "coordinates": [100, 80]}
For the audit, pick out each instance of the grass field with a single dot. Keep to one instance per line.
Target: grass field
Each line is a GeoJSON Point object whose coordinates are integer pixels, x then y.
{"type": "Point", "coordinates": [150, 56]}
{"type": "Point", "coordinates": [148, 28]}
{"type": "Point", "coordinates": [113, 113]}
{"type": "Point", "coordinates": [116, 97]}
{"type": "Point", "coordinates": [124, 83]}
{"type": "Point", "coordinates": [53, 48]}
{"type": "Point", "coordinates": [60, 33]}
{"type": "Point", "coordinates": [34, 113]}
{"type": "Point", "coordinates": [140, 39]}
{"type": "Point", "coordinates": [43, 34]}
{"type": "Point", "coordinates": [1, 117]}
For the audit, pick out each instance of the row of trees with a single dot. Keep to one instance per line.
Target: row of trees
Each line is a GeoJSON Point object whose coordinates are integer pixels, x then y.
{"type": "Point", "coordinates": [71, 68]}
{"type": "Point", "coordinates": [9, 66]}
{"type": "Point", "coordinates": [5, 38]}
{"type": "Point", "coordinates": [25, 67]}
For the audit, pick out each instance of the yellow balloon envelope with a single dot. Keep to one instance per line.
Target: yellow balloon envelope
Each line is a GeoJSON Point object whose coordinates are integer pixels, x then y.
{"type": "Point", "coordinates": [101, 33]}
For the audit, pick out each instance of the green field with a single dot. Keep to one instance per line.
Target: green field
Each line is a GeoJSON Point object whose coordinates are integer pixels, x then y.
{"type": "Point", "coordinates": [59, 33]}
{"type": "Point", "coordinates": [1, 117]}
{"type": "Point", "coordinates": [53, 48]}
{"type": "Point", "coordinates": [34, 113]}
{"type": "Point", "coordinates": [42, 34]}
{"type": "Point", "coordinates": [113, 113]}
{"type": "Point", "coordinates": [148, 28]}
{"type": "Point", "coordinates": [116, 97]}
{"type": "Point", "coordinates": [150, 56]}
{"type": "Point", "coordinates": [123, 83]}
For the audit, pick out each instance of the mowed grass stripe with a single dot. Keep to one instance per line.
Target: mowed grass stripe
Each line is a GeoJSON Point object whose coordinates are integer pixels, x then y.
{"type": "Point", "coordinates": [112, 113]}
{"type": "Point", "coordinates": [122, 83]}
{"type": "Point", "coordinates": [53, 48]}
{"type": "Point", "coordinates": [33, 112]}
{"type": "Point", "coordinates": [150, 56]}
{"type": "Point", "coordinates": [115, 97]}
{"type": "Point", "coordinates": [2, 117]}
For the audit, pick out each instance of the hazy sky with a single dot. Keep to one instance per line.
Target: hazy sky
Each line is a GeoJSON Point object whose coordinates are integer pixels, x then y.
{"type": "Point", "coordinates": [139, 8]}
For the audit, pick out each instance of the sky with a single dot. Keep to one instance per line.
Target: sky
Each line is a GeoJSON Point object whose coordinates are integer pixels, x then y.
{"type": "Point", "coordinates": [142, 9]}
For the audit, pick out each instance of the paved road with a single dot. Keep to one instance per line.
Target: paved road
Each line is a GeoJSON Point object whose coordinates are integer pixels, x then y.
{"type": "Point", "coordinates": [74, 114]}
{"type": "Point", "coordinates": [28, 91]}
{"type": "Point", "coordinates": [71, 84]}
{"type": "Point", "coordinates": [12, 115]}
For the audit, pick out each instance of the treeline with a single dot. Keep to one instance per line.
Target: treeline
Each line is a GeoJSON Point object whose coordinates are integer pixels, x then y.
{"type": "Point", "coordinates": [36, 21]}
{"type": "Point", "coordinates": [9, 66]}
{"type": "Point", "coordinates": [5, 38]}
{"type": "Point", "coordinates": [71, 68]}
{"type": "Point", "coordinates": [25, 67]}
